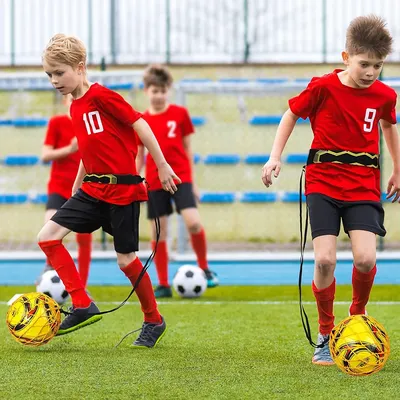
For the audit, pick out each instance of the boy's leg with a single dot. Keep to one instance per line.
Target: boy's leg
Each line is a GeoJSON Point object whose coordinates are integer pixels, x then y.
{"type": "Point", "coordinates": [124, 226]}
{"type": "Point", "coordinates": [363, 245]}
{"type": "Point", "coordinates": [80, 213]}
{"type": "Point", "coordinates": [159, 205]}
{"type": "Point", "coordinates": [84, 241]}
{"type": "Point", "coordinates": [325, 225]}
{"type": "Point", "coordinates": [186, 205]}
{"type": "Point", "coordinates": [363, 221]}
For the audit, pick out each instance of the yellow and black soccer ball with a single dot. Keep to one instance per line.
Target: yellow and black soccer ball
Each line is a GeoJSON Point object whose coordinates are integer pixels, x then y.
{"type": "Point", "coordinates": [359, 345]}
{"type": "Point", "coordinates": [33, 319]}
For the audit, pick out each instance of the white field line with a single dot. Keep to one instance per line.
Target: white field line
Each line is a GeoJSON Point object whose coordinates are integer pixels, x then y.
{"type": "Point", "coordinates": [226, 302]}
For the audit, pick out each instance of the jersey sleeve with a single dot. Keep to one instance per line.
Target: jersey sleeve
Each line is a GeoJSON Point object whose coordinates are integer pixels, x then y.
{"type": "Point", "coordinates": [305, 104]}
{"type": "Point", "coordinates": [115, 105]}
{"type": "Point", "coordinates": [51, 133]}
{"type": "Point", "coordinates": [187, 124]}
{"type": "Point", "coordinates": [389, 110]}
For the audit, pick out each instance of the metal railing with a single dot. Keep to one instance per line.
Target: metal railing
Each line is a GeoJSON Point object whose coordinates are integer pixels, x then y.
{"type": "Point", "coordinates": [188, 31]}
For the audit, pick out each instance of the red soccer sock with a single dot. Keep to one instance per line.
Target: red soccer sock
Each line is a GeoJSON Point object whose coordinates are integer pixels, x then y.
{"type": "Point", "coordinates": [161, 262]}
{"type": "Point", "coordinates": [63, 263]}
{"type": "Point", "coordinates": [362, 285]}
{"type": "Point", "coordinates": [199, 245]}
{"type": "Point", "coordinates": [324, 298]}
{"type": "Point", "coordinates": [144, 291]}
{"type": "Point", "coordinates": [84, 241]}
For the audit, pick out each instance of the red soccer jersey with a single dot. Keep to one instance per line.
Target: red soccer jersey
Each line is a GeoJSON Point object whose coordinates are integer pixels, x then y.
{"type": "Point", "coordinates": [170, 127]}
{"type": "Point", "coordinates": [59, 134]}
{"type": "Point", "coordinates": [344, 118]}
{"type": "Point", "coordinates": [102, 121]}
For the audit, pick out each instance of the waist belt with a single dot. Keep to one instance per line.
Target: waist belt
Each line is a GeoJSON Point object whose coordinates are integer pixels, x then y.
{"type": "Point", "coordinates": [316, 156]}
{"type": "Point", "coordinates": [113, 179]}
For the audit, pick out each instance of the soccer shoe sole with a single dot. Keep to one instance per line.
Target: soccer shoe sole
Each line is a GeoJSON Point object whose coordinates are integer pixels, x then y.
{"type": "Point", "coordinates": [155, 344]}
{"type": "Point", "coordinates": [89, 321]}
{"type": "Point", "coordinates": [323, 363]}
{"type": "Point", "coordinates": [211, 285]}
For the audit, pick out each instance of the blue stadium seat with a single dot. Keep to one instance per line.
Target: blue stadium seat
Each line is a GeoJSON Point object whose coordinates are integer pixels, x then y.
{"type": "Point", "coordinates": [234, 80]}
{"type": "Point", "coordinates": [222, 159]}
{"type": "Point", "coordinates": [256, 158]}
{"type": "Point", "coordinates": [271, 120]}
{"type": "Point", "coordinates": [20, 160]}
{"type": "Point", "coordinates": [198, 121]}
{"type": "Point", "coordinates": [259, 197]}
{"type": "Point", "coordinates": [195, 80]}
{"type": "Point", "coordinates": [217, 197]}
{"type": "Point", "coordinates": [6, 122]}
{"type": "Point", "coordinates": [271, 80]}
{"type": "Point", "coordinates": [296, 158]}
{"type": "Point", "coordinates": [120, 86]}
{"type": "Point", "coordinates": [292, 197]}
{"type": "Point", "coordinates": [9, 198]}
{"type": "Point", "coordinates": [29, 122]}
{"type": "Point", "coordinates": [196, 158]}
{"type": "Point", "coordinates": [40, 198]}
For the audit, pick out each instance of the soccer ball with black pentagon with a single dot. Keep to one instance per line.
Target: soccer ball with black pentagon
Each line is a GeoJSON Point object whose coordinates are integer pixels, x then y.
{"type": "Point", "coordinates": [189, 281]}
{"type": "Point", "coordinates": [51, 285]}
{"type": "Point", "coordinates": [359, 345]}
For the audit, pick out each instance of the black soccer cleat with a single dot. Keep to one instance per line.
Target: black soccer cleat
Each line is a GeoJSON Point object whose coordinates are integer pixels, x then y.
{"type": "Point", "coordinates": [212, 280]}
{"type": "Point", "coordinates": [151, 334]}
{"type": "Point", "coordinates": [162, 292]}
{"type": "Point", "coordinates": [78, 318]}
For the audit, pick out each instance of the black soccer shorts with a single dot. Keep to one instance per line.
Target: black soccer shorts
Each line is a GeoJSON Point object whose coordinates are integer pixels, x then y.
{"type": "Point", "coordinates": [84, 214]}
{"type": "Point", "coordinates": [160, 201]}
{"type": "Point", "coordinates": [55, 201]}
{"type": "Point", "coordinates": [326, 214]}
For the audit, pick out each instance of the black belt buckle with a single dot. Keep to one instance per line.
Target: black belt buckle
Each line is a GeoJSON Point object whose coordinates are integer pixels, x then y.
{"type": "Point", "coordinates": [109, 179]}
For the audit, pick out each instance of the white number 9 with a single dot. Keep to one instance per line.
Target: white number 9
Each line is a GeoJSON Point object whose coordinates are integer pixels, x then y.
{"type": "Point", "coordinates": [370, 114]}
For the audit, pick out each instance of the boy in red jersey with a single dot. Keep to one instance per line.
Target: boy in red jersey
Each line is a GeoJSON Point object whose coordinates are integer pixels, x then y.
{"type": "Point", "coordinates": [173, 129]}
{"type": "Point", "coordinates": [342, 174]}
{"type": "Point", "coordinates": [61, 147]}
{"type": "Point", "coordinates": [107, 190]}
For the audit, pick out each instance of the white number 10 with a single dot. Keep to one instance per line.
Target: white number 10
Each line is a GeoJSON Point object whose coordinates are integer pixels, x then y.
{"type": "Point", "coordinates": [92, 128]}
{"type": "Point", "coordinates": [370, 114]}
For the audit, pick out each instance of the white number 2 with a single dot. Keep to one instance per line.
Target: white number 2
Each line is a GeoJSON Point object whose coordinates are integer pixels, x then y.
{"type": "Point", "coordinates": [92, 128]}
{"type": "Point", "coordinates": [370, 114]}
{"type": "Point", "coordinates": [172, 126]}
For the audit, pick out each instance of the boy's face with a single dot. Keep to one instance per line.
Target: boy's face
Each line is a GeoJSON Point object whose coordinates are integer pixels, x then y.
{"type": "Point", "coordinates": [158, 96]}
{"type": "Point", "coordinates": [363, 69]}
{"type": "Point", "coordinates": [63, 77]}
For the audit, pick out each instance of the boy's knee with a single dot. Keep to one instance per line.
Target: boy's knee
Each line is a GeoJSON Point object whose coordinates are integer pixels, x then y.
{"type": "Point", "coordinates": [325, 264]}
{"type": "Point", "coordinates": [195, 227]}
{"type": "Point", "coordinates": [364, 263]}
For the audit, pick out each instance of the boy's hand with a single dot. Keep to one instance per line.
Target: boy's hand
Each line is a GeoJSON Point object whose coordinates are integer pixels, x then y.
{"type": "Point", "coordinates": [393, 188]}
{"type": "Point", "coordinates": [272, 165]}
{"type": "Point", "coordinates": [167, 177]}
{"type": "Point", "coordinates": [73, 146]}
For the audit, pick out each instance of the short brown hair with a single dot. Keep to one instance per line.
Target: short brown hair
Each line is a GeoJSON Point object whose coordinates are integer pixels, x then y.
{"type": "Point", "coordinates": [368, 34]}
{"type": "Point", "coordinates": [157, 75]}
{"type": "Point", "coordinates": [65, 49]}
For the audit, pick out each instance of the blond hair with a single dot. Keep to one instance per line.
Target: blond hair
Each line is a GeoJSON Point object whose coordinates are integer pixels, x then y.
{"type": "Point", "coordinates": [65, 50]}
{"type": "Point", "coordinates": [369, 34]}
{"type": "Point", "coordinates": [157, 75]}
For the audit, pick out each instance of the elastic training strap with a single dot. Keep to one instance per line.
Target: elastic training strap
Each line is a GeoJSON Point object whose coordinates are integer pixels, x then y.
{"type": "Point", "coordinates": [363, 159]}
{"type": "Point", "coordinates": [145, 266]}
{"type": "Point", "coordinates": [113, 179]}
{"type": "Point", "coordinates": [303, 241]}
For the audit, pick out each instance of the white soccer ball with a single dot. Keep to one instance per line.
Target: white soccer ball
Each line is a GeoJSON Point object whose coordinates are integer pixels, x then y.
{"type": "Point", "coordinates": [51, 284]}
{"type": "Point", "coordinates": [190, 281]}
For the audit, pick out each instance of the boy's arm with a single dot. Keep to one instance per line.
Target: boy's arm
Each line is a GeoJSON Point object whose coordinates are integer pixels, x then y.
{"type": "Point", "coordinates": [140, 158]}
{"type": "Point", "coordinates": [49, 153]}
{"type": "Point", "coordinates": [187, 145]}
{"type": "Point", "coordinates": [283, 132]}
{"type": "Point", "coordinates": [165, 172]}
{"type": "Point", "coordinates": [79, 178]}
{"type": "Point", "coordinates": [392, 141]}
